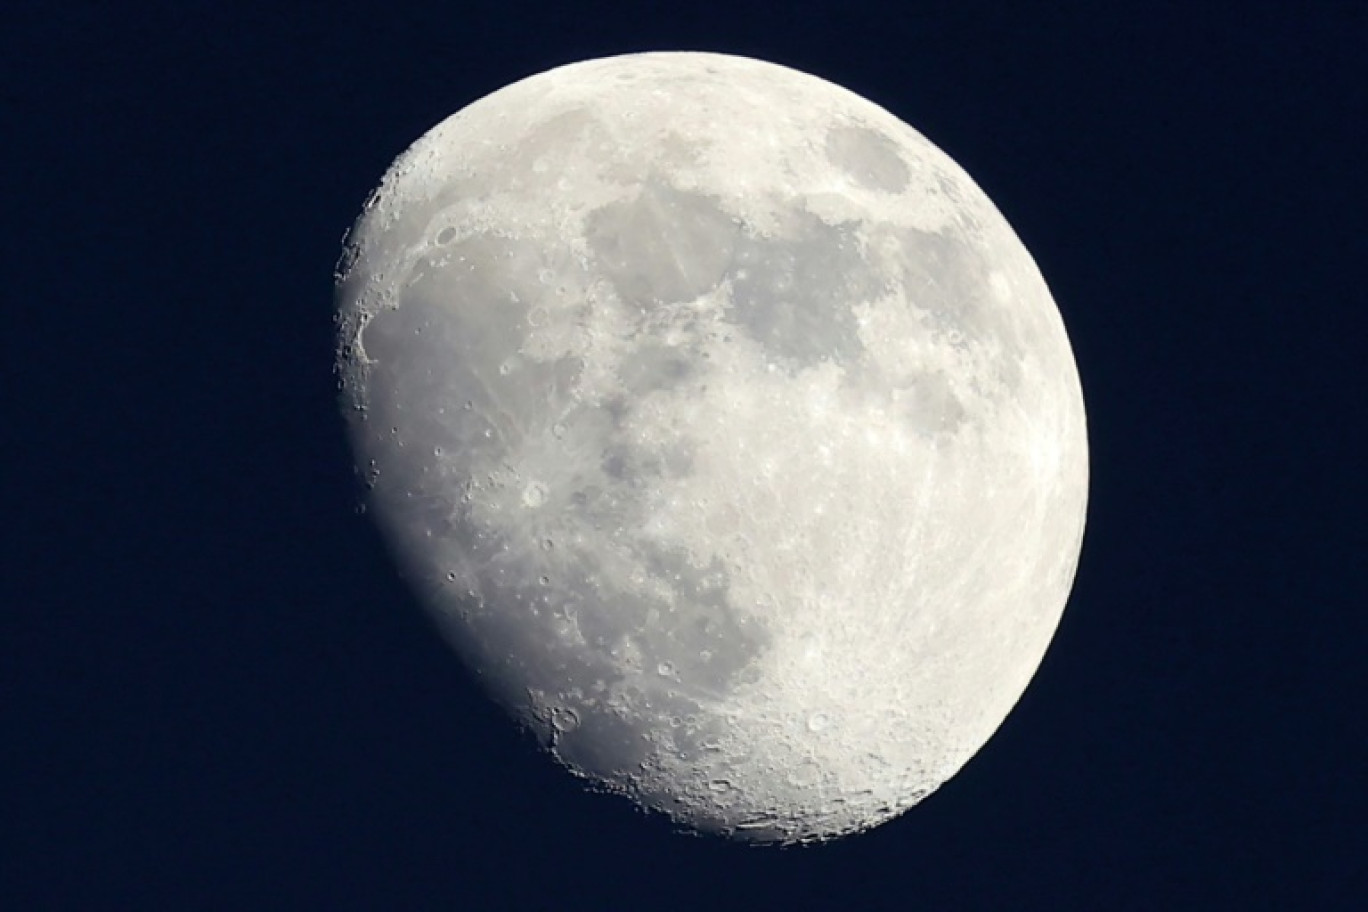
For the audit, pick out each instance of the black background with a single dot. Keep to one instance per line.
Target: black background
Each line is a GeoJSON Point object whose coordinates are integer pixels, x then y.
{"type": "Point", "coordinates": [217, 694]}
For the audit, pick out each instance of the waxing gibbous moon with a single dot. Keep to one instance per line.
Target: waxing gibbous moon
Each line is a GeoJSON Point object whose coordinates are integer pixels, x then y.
{"type": "Point", "coordinates": [727, 429]}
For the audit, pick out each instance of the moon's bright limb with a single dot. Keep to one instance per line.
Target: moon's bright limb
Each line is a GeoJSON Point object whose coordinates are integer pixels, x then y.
{"type": "Point", "coordinates": [727, 428]}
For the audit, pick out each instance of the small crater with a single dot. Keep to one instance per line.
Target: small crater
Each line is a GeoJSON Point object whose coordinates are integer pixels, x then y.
{"type": "Point", "coordinates": [565, 720]}
{"type": "Point", "coordinates": [534, 495]}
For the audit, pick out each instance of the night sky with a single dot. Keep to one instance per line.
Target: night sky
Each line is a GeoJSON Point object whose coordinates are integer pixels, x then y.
{"type": "Point", "coordinates": [215, 691]}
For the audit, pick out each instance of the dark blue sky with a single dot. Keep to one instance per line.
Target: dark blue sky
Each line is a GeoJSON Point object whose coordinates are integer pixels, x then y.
{"type": "Point", "coordinates": [216, 693]}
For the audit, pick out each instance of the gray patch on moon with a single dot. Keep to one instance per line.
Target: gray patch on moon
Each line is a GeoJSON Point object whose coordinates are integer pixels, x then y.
{"type": "Point", "coordinates": [938, 281]}
{"type": "Point", "coordinates": [638, 466]}
{"type": "Point", "coordinates": [793, 295]}
{"type": "Point", "coordinates": [930, 407]}
{"type": "Point", "coordinates": [947, 280]}
{"type": "Point", "coordinates": [652, 367]}
{"type": "Point", "coordinates": [868, 156]}
{"type": "Point", "coordinates": [790, 293]}
{"type": "Point", "coordinates": [663, 246]}
{"type": "Point", "coordinates": [433, 353]}
{"type": "Point", "coordinates": [659, 659]}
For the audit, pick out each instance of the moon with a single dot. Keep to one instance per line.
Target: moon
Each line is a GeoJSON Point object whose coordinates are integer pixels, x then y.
{"type": "Point", "coordinates": [727, 430]}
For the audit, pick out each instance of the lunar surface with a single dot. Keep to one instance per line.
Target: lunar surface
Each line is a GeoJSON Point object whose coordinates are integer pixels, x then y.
{"type": "Point", "coordinates": [727, 429]}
